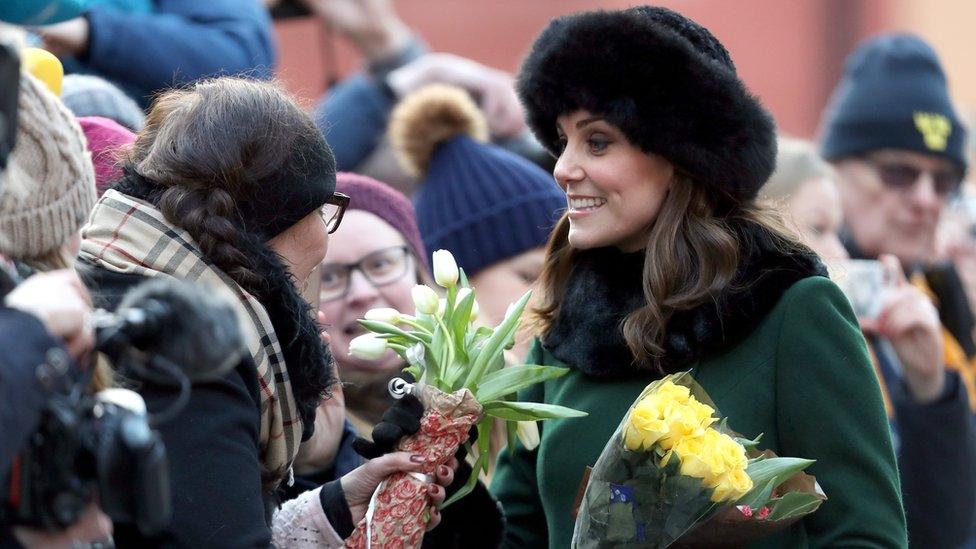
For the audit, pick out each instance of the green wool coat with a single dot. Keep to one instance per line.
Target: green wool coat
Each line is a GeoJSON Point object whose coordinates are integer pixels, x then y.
{"type": "Point", "coordinates": [803, 379]}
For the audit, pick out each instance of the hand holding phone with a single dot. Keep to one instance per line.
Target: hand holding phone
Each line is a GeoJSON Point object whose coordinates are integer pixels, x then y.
{"type": "Point", "coordinates": [890, 307]}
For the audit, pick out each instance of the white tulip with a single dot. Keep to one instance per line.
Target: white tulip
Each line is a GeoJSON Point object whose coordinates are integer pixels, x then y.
{"type": "Point", "coordinates": [425, 299]}
{"type": "Point", "coordinates": [385, 314]}
{"type": "Point", "coordinates": [528, 434]}
{"type": "Point", "coordinates": [367, 347]}
{"type": "Point", "coordinates": [463, 293]}
{"type": "Point", "coordinates": [445, 269]}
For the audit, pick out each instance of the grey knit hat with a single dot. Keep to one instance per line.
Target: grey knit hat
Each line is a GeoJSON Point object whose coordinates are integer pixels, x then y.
{"type": "Point", "coordinates": [88, 95]}
{"type": "Point", "coordinates": [48, 188]}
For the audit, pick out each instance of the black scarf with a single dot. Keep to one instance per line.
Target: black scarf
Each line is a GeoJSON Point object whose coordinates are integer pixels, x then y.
{"type": "Point", "coordinates": [606, 285]}
{"type": "Point", "coordinates": [308, 360]}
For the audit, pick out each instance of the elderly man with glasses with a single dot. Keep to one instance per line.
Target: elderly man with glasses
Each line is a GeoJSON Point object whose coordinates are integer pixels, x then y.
{"type": "Point", "coordinates": [897, 144]}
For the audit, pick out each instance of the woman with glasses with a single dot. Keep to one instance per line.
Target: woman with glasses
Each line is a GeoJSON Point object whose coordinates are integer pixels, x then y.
{"type": "Point", "coordinates": [231, 185]}
{"type": "Point", "coordinates": [374, 260]}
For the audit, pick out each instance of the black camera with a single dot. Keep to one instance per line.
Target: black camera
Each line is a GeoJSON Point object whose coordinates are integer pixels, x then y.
{"type": "Point", "coordinates": [91, 444]}
{"type": "Point", "coordinates": [164, 331]}
{"type": "Point", "coordinates": [96, 444]}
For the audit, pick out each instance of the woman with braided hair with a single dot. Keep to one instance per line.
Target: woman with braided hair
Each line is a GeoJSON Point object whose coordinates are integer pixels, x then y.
{"type": "Point", "coordinates": [231, 185]}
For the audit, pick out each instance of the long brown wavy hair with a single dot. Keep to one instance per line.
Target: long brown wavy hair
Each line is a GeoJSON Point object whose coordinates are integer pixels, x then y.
{"type": "Point", "coordinates": [692, 255]}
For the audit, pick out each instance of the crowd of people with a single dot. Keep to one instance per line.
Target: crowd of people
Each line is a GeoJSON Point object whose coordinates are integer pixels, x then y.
{"type": "Point", "coordinates": [821, 291]}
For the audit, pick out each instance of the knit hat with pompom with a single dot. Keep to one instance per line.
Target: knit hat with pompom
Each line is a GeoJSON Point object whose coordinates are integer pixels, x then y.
{"type": "Point", "coordinates": [476, 200]}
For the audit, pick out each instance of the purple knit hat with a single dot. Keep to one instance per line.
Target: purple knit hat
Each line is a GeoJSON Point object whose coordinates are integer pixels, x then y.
{"type": "Point", "coordinates": [388, 204]}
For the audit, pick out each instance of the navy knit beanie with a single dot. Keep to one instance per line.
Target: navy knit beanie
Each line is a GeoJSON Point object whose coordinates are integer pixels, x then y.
{"type": "Point", "coordinates": [893, 95]}
{"type": "Point", "coordinates": [476, 200]}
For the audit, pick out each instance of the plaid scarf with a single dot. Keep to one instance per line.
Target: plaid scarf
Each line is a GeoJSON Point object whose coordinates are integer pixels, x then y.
{"type": "Point", "coordinates": [127, 235]}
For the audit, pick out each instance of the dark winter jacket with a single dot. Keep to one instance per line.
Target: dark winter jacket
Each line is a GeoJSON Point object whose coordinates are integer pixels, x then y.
{"type": "Point", "coordinates": [181, 41]}
{"type": "Point", "coordinates": [783, 356]}
{"type": "Point", "coordinates": [25, 349]}
{"type": "Point", "coordinates": [345, 461]}
{"type": "Point", "coordinates": [936, 449]}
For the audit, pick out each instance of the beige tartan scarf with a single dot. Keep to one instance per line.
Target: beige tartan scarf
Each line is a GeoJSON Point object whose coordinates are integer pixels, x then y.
{"type": "Point", "coordinates": [127, 235]}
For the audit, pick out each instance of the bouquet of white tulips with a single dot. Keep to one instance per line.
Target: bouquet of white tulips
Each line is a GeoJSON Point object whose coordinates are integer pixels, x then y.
{"type": "Point", "coordinates": [462, 380]}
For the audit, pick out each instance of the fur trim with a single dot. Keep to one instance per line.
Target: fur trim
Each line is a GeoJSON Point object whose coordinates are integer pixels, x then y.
{"type": "Point", "coordinates": [606, 286]}
{"type": "Point", "coordinates": [661, 79]}
{"type": "Point", "coordinates": [429, 117]}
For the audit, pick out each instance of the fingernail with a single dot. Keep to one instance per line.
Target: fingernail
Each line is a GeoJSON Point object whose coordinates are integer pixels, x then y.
{"type": "Point", "coordinates": [417, 458]}
{"type": "Point", "coordinates": [444, 470]}
{"type": "Point", "coordinates": [433, 490]}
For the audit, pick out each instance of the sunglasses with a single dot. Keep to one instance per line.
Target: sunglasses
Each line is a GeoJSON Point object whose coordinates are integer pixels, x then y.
{"type": "Point", "coordinates": [902, 176]}
{"type": "Point", "coordinates": [334, 209]}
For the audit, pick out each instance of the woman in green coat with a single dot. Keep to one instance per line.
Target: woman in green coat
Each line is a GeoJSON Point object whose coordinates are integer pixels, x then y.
{"type": "Point", "coordinates": [664, 262]}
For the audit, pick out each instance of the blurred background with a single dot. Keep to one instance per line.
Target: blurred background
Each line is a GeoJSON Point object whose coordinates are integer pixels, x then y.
{"type": "Point", "coordinates": [790, 53]}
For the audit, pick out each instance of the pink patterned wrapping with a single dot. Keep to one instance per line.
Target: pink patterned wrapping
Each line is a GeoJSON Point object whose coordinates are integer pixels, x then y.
{"type": "Point", "coordinates": [400, 517]}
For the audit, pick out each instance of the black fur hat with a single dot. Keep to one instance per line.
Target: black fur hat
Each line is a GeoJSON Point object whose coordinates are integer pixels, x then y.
{"type": "Point", "coordinates": [665, 81]}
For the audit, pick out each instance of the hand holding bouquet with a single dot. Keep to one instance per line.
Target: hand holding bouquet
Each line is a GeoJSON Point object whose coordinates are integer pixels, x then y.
{"type": "Point", "coordinates": [674, 473]}
{"type": "Point", "coordinates": [462, 381]}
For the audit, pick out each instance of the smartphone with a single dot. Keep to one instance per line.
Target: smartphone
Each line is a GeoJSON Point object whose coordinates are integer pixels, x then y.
{"type": "Point", "coordinates": [864, 282]}
{"type": "Point", "coordinates": [9, 90]}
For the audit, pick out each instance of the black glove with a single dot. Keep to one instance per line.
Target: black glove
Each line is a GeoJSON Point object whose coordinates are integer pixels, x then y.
{"type": "Point", "coordinates": [402, 419]}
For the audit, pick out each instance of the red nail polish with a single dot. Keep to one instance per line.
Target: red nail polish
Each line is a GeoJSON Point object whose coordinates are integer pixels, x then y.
{"type": "Point", "coordinates": [444, 470]}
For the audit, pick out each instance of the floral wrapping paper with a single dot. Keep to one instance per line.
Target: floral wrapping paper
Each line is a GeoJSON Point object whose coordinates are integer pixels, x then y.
{"type": "Point", "coordinates": [398, 517]}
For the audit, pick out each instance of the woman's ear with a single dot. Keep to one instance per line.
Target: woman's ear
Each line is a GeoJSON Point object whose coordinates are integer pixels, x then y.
{"type": "Point", "coordinates": [670, 172]}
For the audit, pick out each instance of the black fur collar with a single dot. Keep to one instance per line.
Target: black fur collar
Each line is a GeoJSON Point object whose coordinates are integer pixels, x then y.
{"type": "Point", "coordinates": [605, 286]}
{"type": "Point", "coordinates": [308, 360]}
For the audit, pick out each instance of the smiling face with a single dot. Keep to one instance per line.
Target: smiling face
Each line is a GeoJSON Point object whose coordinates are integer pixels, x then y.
{"type": "Point", "coordinates": [614, 190]}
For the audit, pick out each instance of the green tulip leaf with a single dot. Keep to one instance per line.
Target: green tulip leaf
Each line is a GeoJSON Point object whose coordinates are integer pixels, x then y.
{"type": "Point", "coordinates": [529, 411]}
{"type": "Point", "coordinates": [509, 380]}
{"type": "Point", "coordinates": [767, 474]}
{"type": "Point", "coordinates": [496, 342]}
{"type": "Point", "coordinates": [794, 504]}
{"type": "Point", "coordinates": [387, 329]}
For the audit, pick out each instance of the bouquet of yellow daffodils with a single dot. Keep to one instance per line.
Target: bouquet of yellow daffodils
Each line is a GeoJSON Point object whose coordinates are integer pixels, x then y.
{"type": "Point", "coordinates": [675, 474]}
{"type": "Point", "coordinates": [462, 381]}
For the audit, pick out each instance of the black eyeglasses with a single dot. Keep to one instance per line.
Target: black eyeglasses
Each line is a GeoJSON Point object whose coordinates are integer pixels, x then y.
{"type": "Point", "coordinates": [902, 176]}
{"type": "Point", "coordinates": [380, 268]}
{"type": "Point", "coordinates": [333, 211]}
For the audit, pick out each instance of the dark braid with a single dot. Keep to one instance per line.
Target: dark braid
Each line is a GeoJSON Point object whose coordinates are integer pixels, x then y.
{"type": "Point", "coordinates": [209, 215]}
